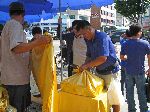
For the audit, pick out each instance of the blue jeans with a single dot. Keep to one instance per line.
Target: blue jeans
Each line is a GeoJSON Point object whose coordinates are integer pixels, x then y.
{"type": "Point", "coordinates": [139, 80]}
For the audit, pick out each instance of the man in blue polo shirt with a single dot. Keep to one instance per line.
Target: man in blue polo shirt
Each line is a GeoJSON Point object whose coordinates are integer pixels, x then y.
{"type": "Point", "coordinates": [101, 52]}
{"type": "Point", "coordinates": [134, 51]}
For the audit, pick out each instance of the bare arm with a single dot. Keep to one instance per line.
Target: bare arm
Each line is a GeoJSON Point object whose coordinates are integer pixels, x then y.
{"type": "Point", "coordinates": [25, 47]}
{"type": "Point", "coordinates": [123, 57]}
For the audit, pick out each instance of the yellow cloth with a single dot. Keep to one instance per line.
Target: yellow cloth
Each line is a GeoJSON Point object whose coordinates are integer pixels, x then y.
{"type": "Point", "coordinates": [75, 103]}
{"type": "Point", "coordinates": [44, 71]}
{"type": "Point", "coordinates": [84, 84]}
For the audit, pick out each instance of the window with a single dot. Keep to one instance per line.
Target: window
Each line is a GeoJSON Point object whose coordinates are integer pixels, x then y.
{"type": "Point", "coordinates": [107, 13]}
{"type": "Point", "coordinates": [107, 21]}
{"type": "Point", "coordinates": [104, 20]}
{"type": "Point", "coordinates": [111, 7]}
{"type": "Point", "coordinates": [102, 12]}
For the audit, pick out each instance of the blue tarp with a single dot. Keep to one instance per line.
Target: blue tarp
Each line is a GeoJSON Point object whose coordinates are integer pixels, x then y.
{"type": "Point", "coordinates": [78, 4]}
{"type": "Point", "coordinates": [34, 8]}
{"type": "Point", "coordinates": [29, 18]}
{"type": "Point", "coordinates": [31, 6]}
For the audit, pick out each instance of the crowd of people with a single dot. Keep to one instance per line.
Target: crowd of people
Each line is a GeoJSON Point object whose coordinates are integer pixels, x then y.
{"type": "Point", "coordinates": [86, 48]}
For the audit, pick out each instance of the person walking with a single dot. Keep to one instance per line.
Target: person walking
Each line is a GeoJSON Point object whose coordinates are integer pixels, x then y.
{"type": "Point", "coordinates": [133, 52]}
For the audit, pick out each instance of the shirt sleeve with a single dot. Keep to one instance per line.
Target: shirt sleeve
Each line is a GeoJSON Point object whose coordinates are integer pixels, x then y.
{"type": "Point", "coordinates": [123, 49]}
{"type": "Point", "coordinates": [16, 36]}
{"type": "Point", "coordinates": [103, 45]}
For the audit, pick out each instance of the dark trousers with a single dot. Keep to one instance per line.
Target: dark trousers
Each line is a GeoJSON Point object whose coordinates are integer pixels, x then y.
{"type": "Point", "coordinates": [19, 96]}
{"type": "Point", "coordinates": [122, 81]}
{"type": "Point", "coordinates": [70, 70]}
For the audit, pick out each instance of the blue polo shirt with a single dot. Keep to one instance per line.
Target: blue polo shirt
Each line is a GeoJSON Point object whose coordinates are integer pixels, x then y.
{"type": "Point", "coordinates": [123, 63]}
{"type": "Point", "coordinates": [102, 45]}
{"type": "Point", "coordinates": [135, 49]}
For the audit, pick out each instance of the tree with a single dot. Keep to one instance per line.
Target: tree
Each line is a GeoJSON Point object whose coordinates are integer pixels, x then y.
{"type": "Point", "coordinates": [26, 25]}
{"type": "Point", "coordinates": [132, 9]}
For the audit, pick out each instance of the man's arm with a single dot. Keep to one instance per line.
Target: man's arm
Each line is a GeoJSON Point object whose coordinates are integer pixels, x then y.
{"type": "Point", "coordinates": [25, 47]}
{"type": "Point", "coordinates": [98, 61]}
{"type": "Point", "coordinates": [148, 71]}
{"type": "Point", "coordinates": [123, 57]}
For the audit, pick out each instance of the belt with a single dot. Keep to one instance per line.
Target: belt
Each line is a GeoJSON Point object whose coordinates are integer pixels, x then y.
{"type": "Point", "coordinates": [107, 70]}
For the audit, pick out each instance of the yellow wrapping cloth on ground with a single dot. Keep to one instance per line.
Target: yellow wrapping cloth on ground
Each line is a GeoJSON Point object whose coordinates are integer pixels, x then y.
{"type": "Point", "coordinates": [3, 99]}
{"type": "Point", "coordinates": [83, 92]}
{"type": "Point", "coordinates": [84, 84]}
{"type": "Point", "coordinates": [44, 72]}
{"type": "Point", "coordinates": [75, 103]}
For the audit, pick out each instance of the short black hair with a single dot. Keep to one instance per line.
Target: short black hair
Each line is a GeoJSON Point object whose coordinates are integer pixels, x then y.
{"type": "Point", "coordinates": [36, 30]}
{"type": "Point", "coordinates": [75, 22]}
{"type": "Point", "coordinates": [16, 8]}
{"type": "Point", "coordinates": [134, 29]}
{"type": "Point", "coordinates": [128, 34]}
{"type": "Point", "coordinates": [82, 24]}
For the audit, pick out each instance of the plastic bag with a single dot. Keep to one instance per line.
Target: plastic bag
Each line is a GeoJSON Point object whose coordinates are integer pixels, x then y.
{"type": "Point", "coordinates": [115, 96]}
{"type": "Point", "coordinates": [85, 84]}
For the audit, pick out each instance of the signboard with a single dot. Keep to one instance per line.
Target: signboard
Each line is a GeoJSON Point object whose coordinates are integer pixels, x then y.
{"type": "Point", "coordinates": [95, 18]}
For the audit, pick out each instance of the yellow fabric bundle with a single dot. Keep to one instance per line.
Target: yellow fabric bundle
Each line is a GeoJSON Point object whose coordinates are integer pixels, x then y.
{"type": "Point", "coordinates": [44, 71]}
{"type": "Point", "coordinates": [75, 103]}
{"type": "Point", "coordinates": [84, 83]}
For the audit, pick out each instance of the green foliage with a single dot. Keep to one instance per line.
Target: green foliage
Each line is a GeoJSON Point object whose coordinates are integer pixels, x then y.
{"type": "Point", "coordinates": [132, 9]}
{"type": "Point", "coordinates": [1, 27]}
{"type": "Point", "coordinates": [26, 25]}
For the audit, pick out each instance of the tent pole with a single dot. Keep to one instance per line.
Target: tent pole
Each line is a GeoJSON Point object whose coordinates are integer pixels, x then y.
{"type": "Point", "coordinates": [60, 23]}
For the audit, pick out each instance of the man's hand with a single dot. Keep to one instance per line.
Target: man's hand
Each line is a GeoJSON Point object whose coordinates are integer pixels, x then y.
{"type": "Point", "coordinates": [148, 72]}
{"type": "Point", "coordinates": [83, 67]}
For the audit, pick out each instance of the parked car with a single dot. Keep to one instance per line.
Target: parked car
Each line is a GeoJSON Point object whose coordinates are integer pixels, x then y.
{"type": "Point", "coordinates": [115, 37]}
